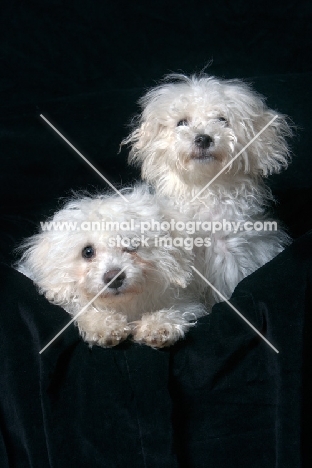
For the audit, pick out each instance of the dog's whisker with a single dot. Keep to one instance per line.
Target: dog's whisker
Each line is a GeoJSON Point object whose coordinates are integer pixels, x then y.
{"type": "Point", "coordinates": [179, 164]}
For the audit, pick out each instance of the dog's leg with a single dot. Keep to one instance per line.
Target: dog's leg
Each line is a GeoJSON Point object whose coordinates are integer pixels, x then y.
{"type": "Point", "coordinates": [104, 329]}
{"type": "Point", "coordinates": [162, 328]}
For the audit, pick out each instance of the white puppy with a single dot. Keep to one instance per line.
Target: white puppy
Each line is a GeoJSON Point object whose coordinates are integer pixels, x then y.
{"type": "Point", "coordinates": [191, 129]}
{"type": "Point", "coordinates": [90, 241]}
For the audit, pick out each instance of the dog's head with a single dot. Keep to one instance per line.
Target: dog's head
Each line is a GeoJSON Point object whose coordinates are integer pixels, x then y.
{"type": "Point", "coordinates": [97, 242]}
{"type": "Point", "coordinates": [191, 128]}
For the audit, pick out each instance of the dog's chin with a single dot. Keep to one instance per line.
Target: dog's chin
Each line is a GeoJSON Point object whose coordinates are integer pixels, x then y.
{"type": "Point", "coordinates": [113, 294]}
{"type": "Point", "coordinates": [199, 166]}
{"type": "Point", "coordinates": [208, 156]}
{"type": "Point", "coordinates": [203, 163]}
{"type": "Point", "coordinates": [203, 157]}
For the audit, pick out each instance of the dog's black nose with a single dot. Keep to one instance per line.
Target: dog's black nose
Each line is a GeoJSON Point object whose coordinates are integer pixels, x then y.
{"type": "Point", "coordinates": [203, 141]}
{"type": "Point", "coordinates": [109, 275]}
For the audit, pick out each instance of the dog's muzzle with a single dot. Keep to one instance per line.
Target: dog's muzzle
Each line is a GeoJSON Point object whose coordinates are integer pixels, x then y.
{"type": "Point", "coordinates": [109, 275]}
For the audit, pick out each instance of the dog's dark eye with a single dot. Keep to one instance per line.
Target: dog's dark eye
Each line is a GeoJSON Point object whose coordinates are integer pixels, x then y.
{"type": "Point", "coordinates": [182, 123]}
{"type": "Point", "coordinates": [222, 119]}
{"type": "Point", "coordinates": [88, 252]}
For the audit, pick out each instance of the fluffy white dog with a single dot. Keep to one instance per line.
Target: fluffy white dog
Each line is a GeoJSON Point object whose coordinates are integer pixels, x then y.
{"type": "Point", "coordinates": [145, 276]}
{"type": "Point", "coordinates": [191, 129]}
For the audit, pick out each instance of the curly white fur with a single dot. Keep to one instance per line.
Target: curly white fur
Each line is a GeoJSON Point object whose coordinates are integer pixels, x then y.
{"type": "Point", "coordinates": [150, 301]}
{"type": "Point", "coordinates": [189, 129]}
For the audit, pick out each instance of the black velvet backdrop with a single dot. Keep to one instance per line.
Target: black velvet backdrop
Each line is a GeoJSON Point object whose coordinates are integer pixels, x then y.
{"type": "Point", "coordinates": [84, 65]}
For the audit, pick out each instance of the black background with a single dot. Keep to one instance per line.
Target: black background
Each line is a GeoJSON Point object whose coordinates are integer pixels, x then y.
{"type": "Point", "coordinates": [85, 64]}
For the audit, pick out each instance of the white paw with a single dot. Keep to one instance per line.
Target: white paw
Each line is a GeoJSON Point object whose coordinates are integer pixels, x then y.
{"type": "Point", "coordinates": [155, 334]}
{"type": "Point", "coordinates": [106, 338]}
{"type": "Point", "coordinates": [109, 333]}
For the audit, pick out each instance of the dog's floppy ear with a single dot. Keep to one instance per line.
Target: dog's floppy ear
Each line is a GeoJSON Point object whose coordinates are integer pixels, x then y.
{"type": "Point", "coordinates": [176, 271]}
{"type": "Point", "coordinates": [142, 138]}
{"type": "Point", "coordinates": [35, 251]}
{"type": "Point", "coordinates": [174, 261]}
{"type": "Point", "coordinates": [39, 262]}
{"type": "Point", "coordinates": [138, 139]}
{"type": "Point", "coordinates": [266, 130]}
{"type": "Point", "coordinates": [149, 127]}
{"type": "Point", "coordinates": [270, 153]}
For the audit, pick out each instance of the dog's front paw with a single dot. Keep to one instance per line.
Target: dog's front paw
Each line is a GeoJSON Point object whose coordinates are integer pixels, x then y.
{"type": "Point", "coordinates": [109, 332]}
{"type": "Point", "coordinates": [155, 331]}
{"type": "Point", "coordinates": [107, 338]}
